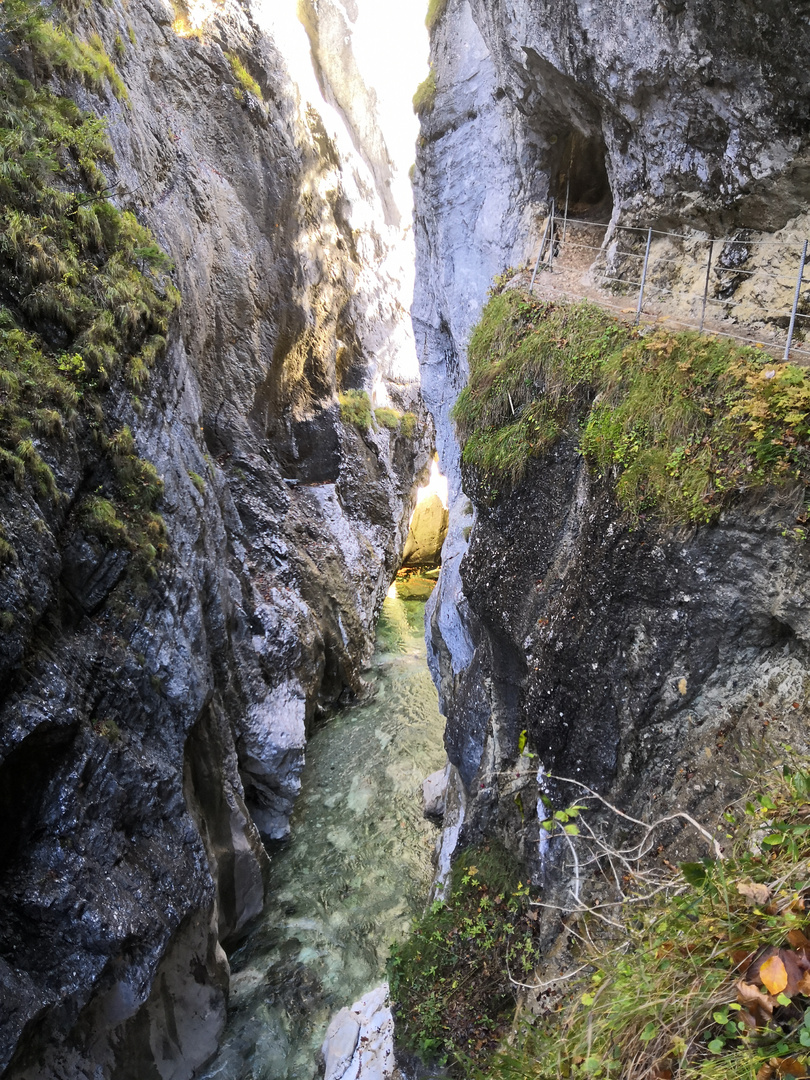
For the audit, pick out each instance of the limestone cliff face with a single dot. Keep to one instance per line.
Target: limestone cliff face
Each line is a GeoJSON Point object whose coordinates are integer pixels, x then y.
{"type": "Point", "coordinates": [552, 616]}
{"type": "Point", "coordinates": [152, 732]}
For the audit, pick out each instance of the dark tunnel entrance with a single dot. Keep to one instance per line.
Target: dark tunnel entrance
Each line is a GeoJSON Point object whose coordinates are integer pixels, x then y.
{"type": "Point", "coordinates": [580, 174]}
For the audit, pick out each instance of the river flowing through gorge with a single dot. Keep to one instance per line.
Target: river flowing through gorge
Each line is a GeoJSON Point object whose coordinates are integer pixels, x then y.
{"type": "Point", "coordinates": [356, 869]}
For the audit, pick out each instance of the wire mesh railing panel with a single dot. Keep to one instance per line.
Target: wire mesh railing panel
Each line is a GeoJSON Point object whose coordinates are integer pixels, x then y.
{"type": "Point", "coordinates": [757, 284]}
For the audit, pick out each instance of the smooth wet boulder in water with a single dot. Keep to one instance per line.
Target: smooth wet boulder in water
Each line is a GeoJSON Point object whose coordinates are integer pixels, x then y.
{"type": "Point", "coordinates": [434, 792]}
{"type": "Point", "coordinates": [359, 1043]}
{"type": "Point", "coordinates": [427, 533]}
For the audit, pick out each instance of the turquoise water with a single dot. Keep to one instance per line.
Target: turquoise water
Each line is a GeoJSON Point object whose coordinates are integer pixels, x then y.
{"type": "Point", "coordinates": [355, 872]}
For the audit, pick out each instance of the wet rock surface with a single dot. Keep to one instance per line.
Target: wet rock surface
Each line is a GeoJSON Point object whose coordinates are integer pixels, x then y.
{"type": "Point", "coordinates": [360, 1040]}
{"type": "Point", "coordinates": [152, 729]}
{"type": "Point", "coordinates": [636, 658]}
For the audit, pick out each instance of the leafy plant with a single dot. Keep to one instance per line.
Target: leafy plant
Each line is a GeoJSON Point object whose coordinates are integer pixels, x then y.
{"type": "Point", "coordinates": [450, 980]}
{"type": "Point", "coordinates": [705, 975]}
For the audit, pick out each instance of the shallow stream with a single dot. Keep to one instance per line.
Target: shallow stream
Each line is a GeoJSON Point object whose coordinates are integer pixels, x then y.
{"type": "Point", "coordinates": [355, 872]}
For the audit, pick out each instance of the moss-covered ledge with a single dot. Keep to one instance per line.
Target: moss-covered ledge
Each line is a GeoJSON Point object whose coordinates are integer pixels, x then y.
{"type": "Point", "coordinates": [686, 424]}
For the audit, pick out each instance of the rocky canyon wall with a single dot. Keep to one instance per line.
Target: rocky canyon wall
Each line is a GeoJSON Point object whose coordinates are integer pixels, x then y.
{"type": "Point", "coordinates": [152, 726]}
{"type": "Point", "coordinates": [554, 615]}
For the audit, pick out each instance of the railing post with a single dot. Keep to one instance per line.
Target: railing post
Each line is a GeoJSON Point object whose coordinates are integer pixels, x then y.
{"type": "Point", "coordinates": [551, 239]}
{"type": "Point", "coordinates": [706, 286]}
{"type": "Point", "coordinates": [567, 192]}
{"type": "Point", "coordinates": [643, 277]}
{"type": "Point", "coordinates": [796, 301]}
{"type": "Point", "coordinates": [539, 256]}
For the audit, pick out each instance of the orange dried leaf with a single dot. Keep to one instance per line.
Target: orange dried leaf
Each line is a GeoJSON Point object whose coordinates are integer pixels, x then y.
{"type": "Point", "coordinates": [760, 1005]}
{"type": "Point", "coordinates": [791, 1067]}
{"type": "Point", "coordinates": [773, 975]}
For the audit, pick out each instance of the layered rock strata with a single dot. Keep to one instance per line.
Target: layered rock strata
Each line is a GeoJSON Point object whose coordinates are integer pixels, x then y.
{"type": "Point", "coordinates": [152, 731]}
{"type": "Point", "coordinates": [627, 655]}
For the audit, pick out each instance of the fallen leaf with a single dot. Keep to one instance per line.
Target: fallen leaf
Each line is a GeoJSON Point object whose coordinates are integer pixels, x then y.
{"type": "Point", "coordinates": [740, 957]}
{"type": "Point", "coordinates": [791, 1067]}
{"type": "Point", "coordinates": [795, 965]}
{"type": "Point", "coordinates": [766, 1072]}
{"type": "Point", "coordinates": [682, 686]}
{"type": "Point", "coordinates": [759, 1006]}
{"type": "Point", "coordinates": [798, 939]}
{"type": "Point", "coordinates": [754, 893]}
{"type": "Point", "coordinates": [773, 974]}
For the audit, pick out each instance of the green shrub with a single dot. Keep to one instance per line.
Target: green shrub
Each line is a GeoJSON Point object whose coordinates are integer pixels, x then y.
{"type": "Point", "coordinates": [425, 97]}
{"type": "Point", "coordinates": [686, 422]}
{"type": "Point", "coordinates": [355, 408]}
{"type": "Point", "coordinates": [450, 979]}
{"type": "Point", "coordinates": [703, 975]}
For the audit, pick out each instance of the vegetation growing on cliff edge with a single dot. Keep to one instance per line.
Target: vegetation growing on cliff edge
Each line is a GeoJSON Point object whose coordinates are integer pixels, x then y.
{"type": "Point", "coordinates": [247, 84]}
{"type": "Point", "coordinates": [355, 409]}
{"type": "Point", "coordinates": [425, 97]}
{"type": "Point", "coordinates": [700, 972]}
{"type": "Point", "coordinates": [85, 295]}
{"type": "Point", "coordinates": [706, 975]}
{"type": "Point", "coordinates": [449, 980]}
{"type": "Point", "coordinates": [436, 8]}
{"type": "Point", "coordinates": [686, 423]}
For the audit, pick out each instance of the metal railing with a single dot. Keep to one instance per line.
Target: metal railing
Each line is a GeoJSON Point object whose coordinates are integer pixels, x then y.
{"type": "Point", "coordinates": [625, 261]}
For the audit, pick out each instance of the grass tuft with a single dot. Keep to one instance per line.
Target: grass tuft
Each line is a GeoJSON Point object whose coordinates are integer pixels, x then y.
{"type": "Point", "coordinates": [355, 408]}
{"type": "Point", "coordinates": [436, 8]}
{"type": "Point", "coordinates": [243, 77]}
{"type": "Point", "coordinates": [425, 97]}
{"type": "Point", "coordinates": [388, 418]}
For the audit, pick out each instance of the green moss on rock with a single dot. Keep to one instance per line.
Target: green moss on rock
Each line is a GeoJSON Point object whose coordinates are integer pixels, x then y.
{"type": "Point", "coordinates": [684, 423]}
{"type": "Point", "coordinates": [85, 292]}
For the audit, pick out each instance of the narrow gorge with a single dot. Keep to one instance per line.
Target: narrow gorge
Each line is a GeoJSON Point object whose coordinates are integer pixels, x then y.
{"type": "Point", "coordinates": [254, 307]}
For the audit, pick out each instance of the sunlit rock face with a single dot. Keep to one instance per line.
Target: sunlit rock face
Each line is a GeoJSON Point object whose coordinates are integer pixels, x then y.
{"type": "Point", "coordinates": [155, 733]}
{"type": "Point", "coordinates": [675, 115]}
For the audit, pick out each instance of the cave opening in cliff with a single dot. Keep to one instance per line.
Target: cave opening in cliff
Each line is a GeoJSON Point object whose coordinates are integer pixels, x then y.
{"type": "Point", "coordinates": [580, 177]}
